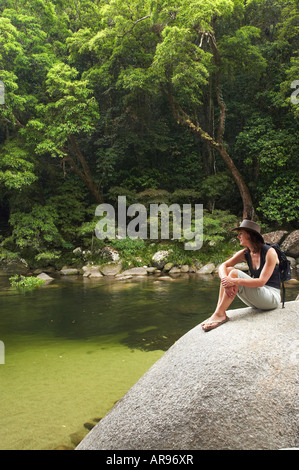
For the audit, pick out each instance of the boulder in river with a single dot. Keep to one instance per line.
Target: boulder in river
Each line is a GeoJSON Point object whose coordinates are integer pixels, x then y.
{"type": "Point", "coordinates": [235, 388]}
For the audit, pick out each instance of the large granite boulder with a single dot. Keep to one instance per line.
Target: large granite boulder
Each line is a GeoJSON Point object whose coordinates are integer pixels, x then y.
{"type": "Point", "coordinates": [235, 387]}
{"type": "Point", "coordinates": [291, 244]}
{"type": "Point", "coordinates": [275, 237]}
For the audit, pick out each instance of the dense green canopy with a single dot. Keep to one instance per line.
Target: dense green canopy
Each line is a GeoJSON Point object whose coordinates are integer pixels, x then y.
{"type": "Point", "coordinates": [177, 100]}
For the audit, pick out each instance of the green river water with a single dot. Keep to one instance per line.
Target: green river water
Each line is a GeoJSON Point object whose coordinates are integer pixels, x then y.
{"type": "Point", "coordinates": [74, 347]}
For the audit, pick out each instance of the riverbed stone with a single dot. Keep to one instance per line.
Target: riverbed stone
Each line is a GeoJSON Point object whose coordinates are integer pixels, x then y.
{"type": "Point", "coordinates": [45, 277]}
{"type": "Point", "coordinates": [234, 388]}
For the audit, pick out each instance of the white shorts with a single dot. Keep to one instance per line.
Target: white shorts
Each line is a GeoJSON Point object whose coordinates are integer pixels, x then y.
{"type": "Point", "coordinates": [264, 298]}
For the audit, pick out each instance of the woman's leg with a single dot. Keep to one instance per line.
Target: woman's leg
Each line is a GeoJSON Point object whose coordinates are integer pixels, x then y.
{"type": "Point", "coordinates": [226, 297]}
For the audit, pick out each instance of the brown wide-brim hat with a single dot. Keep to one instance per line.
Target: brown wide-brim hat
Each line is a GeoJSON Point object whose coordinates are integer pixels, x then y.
{"type": "Point", "coordinates": [250, 226]}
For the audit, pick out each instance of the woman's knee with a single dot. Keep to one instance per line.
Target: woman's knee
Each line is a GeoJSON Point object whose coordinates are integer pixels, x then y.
{"type": "Point", "coordinates": [233, 272]}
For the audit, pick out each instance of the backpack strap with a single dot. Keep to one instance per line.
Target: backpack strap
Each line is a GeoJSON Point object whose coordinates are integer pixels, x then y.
{"type": "Point", "coordinates": [283, 294]}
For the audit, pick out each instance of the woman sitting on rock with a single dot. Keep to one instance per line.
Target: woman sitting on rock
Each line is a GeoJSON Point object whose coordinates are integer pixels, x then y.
{"type": "Point", "coordinates": [261, 290]}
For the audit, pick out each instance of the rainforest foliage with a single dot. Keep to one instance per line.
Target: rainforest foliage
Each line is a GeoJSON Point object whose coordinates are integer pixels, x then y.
{"type": "Point", "coordinates": [186, 101]}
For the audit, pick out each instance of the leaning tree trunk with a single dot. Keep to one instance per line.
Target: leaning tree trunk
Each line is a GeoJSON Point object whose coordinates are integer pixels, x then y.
{"type": "Point", "coordinates": [184, 120]}
{"type": "Point", "coordinates": [217, 144]}
{"type": "Point", "coordinates": [81, 168]}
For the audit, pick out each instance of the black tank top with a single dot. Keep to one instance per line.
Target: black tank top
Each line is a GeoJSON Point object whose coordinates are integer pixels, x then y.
{"type": "Point", "coordinates": [274, 280]}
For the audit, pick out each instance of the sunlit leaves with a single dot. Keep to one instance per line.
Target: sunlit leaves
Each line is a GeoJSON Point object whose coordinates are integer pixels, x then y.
{"type": "Point", "coordinates": [16, 169]}
{"type": "Point", "coordinates": [71, 110]}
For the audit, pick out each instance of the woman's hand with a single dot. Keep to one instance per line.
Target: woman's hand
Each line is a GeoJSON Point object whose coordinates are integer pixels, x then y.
{"type": "Point", "coordinates": [231, 291]}
{"type": "Point", "coordinates": [227, 281]}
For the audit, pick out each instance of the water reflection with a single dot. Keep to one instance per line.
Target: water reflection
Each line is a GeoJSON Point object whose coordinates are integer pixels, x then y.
{"type": "Point", "coordinates": [75, 346]}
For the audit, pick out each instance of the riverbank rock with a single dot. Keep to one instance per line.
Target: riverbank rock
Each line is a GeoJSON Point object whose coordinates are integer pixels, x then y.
{"type": "Point", "coordinates": [275, 237]}
{"type": "Point", "coordinates": [159, 259]}
{"type": "Point", "coordinates": [168, 267]}
{"type": "Point", "coordinates": [13, 266]}
{"type": "Point", "coordinates": [207, 269]}
{"type": "Point", "coordinates": [69, 271]}
{"type": "Point", "coordinates": [135, 272]}
{"type": "Point", "coordinates": [242, 267]}
{"type": "Point", "coordinates": [175, 270]}
{"type": "Point", "coordinates": [92, 271]}
{"type": "Point", "coordinates": [235, 387]}
{"type": "Point", "coordinates": [111, 269]}
{"type": "Point", "coordinates": [291, 244]}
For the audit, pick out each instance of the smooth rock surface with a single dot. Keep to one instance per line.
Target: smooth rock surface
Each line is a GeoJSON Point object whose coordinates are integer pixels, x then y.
{"type": "Point", "coordinates": [235, 387]}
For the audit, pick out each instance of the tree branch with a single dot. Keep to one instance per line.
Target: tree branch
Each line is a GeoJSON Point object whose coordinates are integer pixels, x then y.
{"type": "Point", "coordinates": [136, 22]}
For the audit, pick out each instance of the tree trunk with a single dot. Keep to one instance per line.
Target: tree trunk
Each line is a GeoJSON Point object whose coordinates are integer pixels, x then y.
{"type": "Point", "coordinates": [183, 119]}
{"type": "Point", "coordinates": [217, 144]}
{"type": "Point", "coordinates": [83, 171]}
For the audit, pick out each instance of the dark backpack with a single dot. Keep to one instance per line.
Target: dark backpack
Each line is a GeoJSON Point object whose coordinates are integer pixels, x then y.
{"type": "Point", "coordinates": [284, 267]}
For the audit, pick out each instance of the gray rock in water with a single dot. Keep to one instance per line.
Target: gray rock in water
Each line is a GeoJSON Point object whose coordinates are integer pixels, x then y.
{"type": "Point", "coordinates": [45, 277]}
{"type": "Point", "coordinates": [235, 387]}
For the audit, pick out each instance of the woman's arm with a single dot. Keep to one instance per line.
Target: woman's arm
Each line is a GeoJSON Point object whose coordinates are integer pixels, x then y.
{"type": "Point", "coordinates": [267, 271]}
{"type": "Point", "coordinates": [231, 262]}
